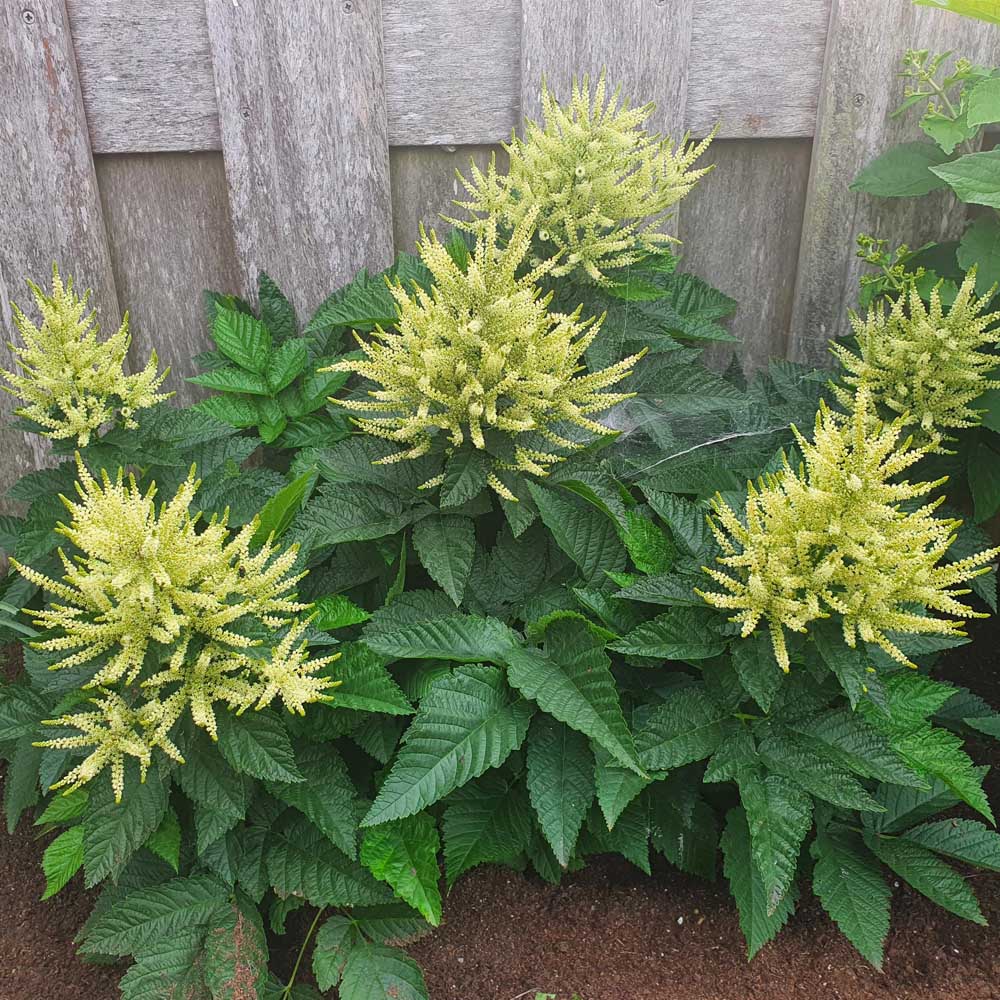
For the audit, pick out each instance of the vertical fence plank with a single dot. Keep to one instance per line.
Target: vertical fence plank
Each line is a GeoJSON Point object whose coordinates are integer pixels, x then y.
{"type": "Point", "coordinates": [49, 203]}
{"type": "Point", "coordinates": [741, 228]}
{"type": "Point", "coordinates": [168, 223]}
{"type": "Point", "coordinates": [643, 44]}
{"type": "Point", "coordinates": [303, 120]}
{"type": "Point", "coordinates": [424, 186]}
{"type": "Point", "coordinates": [860, 89]}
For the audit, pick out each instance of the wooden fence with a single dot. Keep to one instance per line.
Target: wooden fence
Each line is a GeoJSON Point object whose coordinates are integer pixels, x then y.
{"type": "Point", "coordinates": [158, 147]}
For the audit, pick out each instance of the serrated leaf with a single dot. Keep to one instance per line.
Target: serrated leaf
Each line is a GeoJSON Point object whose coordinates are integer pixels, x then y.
{"type": "Point", "coordinates": [231, 379]}
{"type": "Point", "coordinates": [366, 684]}
{"type": "Point", "coordinates": [236, 953]}
{"type": "Point", "coordinates": [277, 514]}
{"type": "Point", "coordinates": [379, 972]}
{"type": "Point", "coordinates": [466, 724]}
{"type": "Point", "coordinates": [929, 875]}
{"type": "Point", "coordinates": [362, 304]}
{"type": "Point", "coordinates": [276, 312]}
{"type": "Point", "coordinates": [446, 545]}
{"type": "Point", "coordinates": [560, 783]}
{"type": "Point", "coordinates": [155, 913]}
{"type": "Point", "coordinates": [759, 922]}
{"type": "Point", "coordinates": [210, 782]}
{"type": "Point", "coordinates": [62, 859]}
{"type": "Point", "coordinates": [685, 728]}
{"type": "Point", "coordinates": [342, 512]}
{"type": "Point", "coordinates": [849, 665]}
{"type": "Point", "coordinates": [168, 968]}
{"type": "Point", "coordinates": [779, 815]}
{"type": "Point", "coordinates": [335, 940]}
{"type": "Point", "coordinates": [242, 338]}
{"type": "Point", "coordinates": [64, 807]}
{"type": "Point", "coordinates": [630, 835]}
{"type": "Point", "coordinates": [616, 786]}
{"type": "Point", "coordinates": [286, 364]}
{"type": "Point", "coordinates": [301, 861]}
{"type": "Point", "coordinates": [337, 611]}
{"type": "Point", "coordinates": [257, 744]}
{"type": "Point", "coordinates": [462, 638]}
{"type": "Point", "coordinates": [112, 831]}
{"type": "Point", "coordinates": [464, 477]}
{"type": "Point", "coordinates": [324, 793]}
{"type": "Point", "coordinates": [485, 821]}
{"type": "Point", "coordinates": [572, 681]}
{"type": "Point", "coordinates": [404, 854]}
{"type": "Point", "coordinates": [684, 832]}
{"type": "Point", "coordinates": [757, 669]}
{"type": "Point", "coordinates": [165, 841]}
{"type": "Point", "coordinates": [965, 840]}
{"type": "Point", "coordinates": [678, 634]}
{"type": "Point", "coordinates": [905, 171]}
{"type": "Point", "coordinates": [852, 889]}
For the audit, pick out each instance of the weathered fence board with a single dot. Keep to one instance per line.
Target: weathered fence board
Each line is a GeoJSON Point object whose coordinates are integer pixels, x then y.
{"type": "Point", "coordinates": [741, 228]}
{"type": "Point", "coordinates": [168, 223]}
{"type": "Point", "coordinates": [302, 99]}
{"type": "Point", "coordinates": [49, 203]}
{"type": "Point", "coordinates": [860, 89]}
{"type": "Point", "coordinates": [451, 67]}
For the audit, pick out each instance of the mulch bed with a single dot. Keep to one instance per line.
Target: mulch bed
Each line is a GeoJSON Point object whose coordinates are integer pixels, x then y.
{"type": "Point", "coordinates": [608, 933]}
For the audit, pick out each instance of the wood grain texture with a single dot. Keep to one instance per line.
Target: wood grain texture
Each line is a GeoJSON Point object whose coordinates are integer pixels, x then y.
{"type": "Point", "coordinates": [424, 185]}
{"type": "Point", "coordinates": [302, 97]}
{"type": "Point", "coordinates": [741, 228]}
{"type": "Point", "coordinates": [451, 70]}
{"type": "Point", "coordinates": [49, 203]}
{"type": "Point", "coordinates": [643, 44]}
{"type": "Point", "coordinates": [168, 222]}
{"type": "Point", "coordinates": [860, 89]}
{"type": "Point", "coordinates": [452, 73]}
{"type": "Point", "coordinates": [146, 74]}
{"type": "Point", "coordinates": [755, 67]}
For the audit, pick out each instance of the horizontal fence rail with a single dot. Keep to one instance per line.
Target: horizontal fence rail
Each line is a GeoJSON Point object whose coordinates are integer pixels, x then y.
{"type": "Point", "coordinates": [158, 148]}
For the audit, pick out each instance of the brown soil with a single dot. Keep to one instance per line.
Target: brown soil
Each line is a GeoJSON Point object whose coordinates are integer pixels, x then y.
{"type": "Point", "coordinates": [608, 933]}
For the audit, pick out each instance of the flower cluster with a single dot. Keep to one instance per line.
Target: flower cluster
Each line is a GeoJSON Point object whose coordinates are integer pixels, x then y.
{"type": "Point", "coordinates": [71, 382]}
{"type": "Point", "coordinates": [171, 608]}
{"type": "Point", "coordinates": [598, 183]}
{"type": "Point", "coordinates": [482, 353]}
{"type": "Point", "coordinates": [842, 536]}
{"type": "Point", "coordinates": [925, 363]}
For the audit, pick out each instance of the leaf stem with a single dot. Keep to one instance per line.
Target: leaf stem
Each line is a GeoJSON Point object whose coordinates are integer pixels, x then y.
{"type": "Point", "coordinates": [287, 991]}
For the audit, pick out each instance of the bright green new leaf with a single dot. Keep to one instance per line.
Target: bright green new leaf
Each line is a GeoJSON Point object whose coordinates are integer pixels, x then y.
{"type": "Point", "coordinates": [279, 512]}
{"type": "Point", "coordinates": [62, 859]}
{"type": "Point", "coordinates": [982, 10]}
{"type": "Point", "coordinates": [165, 841]}
{"type": "Point", "coordinates": [337, 611]}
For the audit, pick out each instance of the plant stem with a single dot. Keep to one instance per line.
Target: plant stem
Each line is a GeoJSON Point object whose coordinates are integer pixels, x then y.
{"type": "Point", "coordinates": [287, 991]}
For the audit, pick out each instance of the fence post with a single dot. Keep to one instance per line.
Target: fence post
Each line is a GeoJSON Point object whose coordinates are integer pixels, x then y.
{"type": "Point", "coordinates": [49, 200]}
{"type": "Point", "coordinates": [302, 110]}
{"type": "Point", "coordinates": [860, 89]}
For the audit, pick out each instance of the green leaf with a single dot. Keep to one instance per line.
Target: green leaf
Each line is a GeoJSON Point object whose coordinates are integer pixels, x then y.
{"type": "Point", "coordinates": [464, 477]}
{"type": "Point", "coordinates": [983, 10]}
{"type": "Point", "coordinates": [616, 786]}
{"type": "Point", "coordinates": [404, 854]}
{"type": "Point", "coordinates": [984, 102]}
{"type": "Point", "coordinates": [155, 913]}
{"type": "Point", "coordinates": [334, 942]}
{"type": "Point", "coordinates": [21, 710]}
{"type": "Point", "coordinates": [236, 953]}
{"type": "Point", "coordinates": [112, 831]}
{"type": "Point", "coordinates": [685, 728]}
{"type": "Point", "coordinates": [586, 535]}
{"type": "Point", "coordinates": [230, 410]}
{"type": "Point", "coordinates": [989, 724]}
{"type": "Point", "coordinates": [392, 921]}
{"type": "Point", "coordinates": [257, 744]}
{"type": "Point", "coordinates": [647, 545]}
{"type": "Point", "coordinates": [572, 681]}
{"type": "Point", "coordinates": [446, 545]}
{"type": "Point", "coordinates": [779, 815]}
{"type": "Point", "coordinates": [379, 972]}
{"type": "Point", "coordinates": [276, 312]}
{"type": "Point", "coordinates": [64, 807]}
{"type": "Point", "coordinates": [488, 820]}
{"type": "Point", "coordinates": [62, 859]}
{"type": "Point", "coordinates": [337, 611]}
{"type": "Point", "coordinates": [345, 513]}
{"type": "Point", "coordinates": [560, 783]}
{"type": "Point", "coordinates": [684, 828]}
{"type": "Point", "coordinates": [211, 783]}
{"type": "Point", "coordinates": [975, 177]}
{"type": "Point", "coordinates": [984, 480]}
{"type": "Point", "coordinates": [906, 806]}
{"type": "Point", "coordinates": [463, 638]}
{"type": "Point", "coordinates": [466, 724]}
{"type": "Point", "coordinates": [852, 889]}
{"type": "Point", "coordinates": [366, 684]}
{"type": "Point", "coordinates": [363, 304]}
{"type": "Point", "coordinates": [242, 338]}
{"type": "Point", "coordinates": [325, 794]}
{"type": "Point", "coordinates": [279, 512]}
{"type": "Point", "coordinates": [759, 921]}
{"type": "Point", "coordinates": [287, 363]}
{"type": "Point", "coordinates": [849, 665]}
{"type": "Point", "coordinates": [905, 171]}
{"type": "Point", "coordinates": [232, 380]}
{"type": "Point", "coordinates": [679, 634]}
{"type": "Point", "coordinates": [757, 669]}
{"type": "Point", "coordinates": [965, 840]}
{"type": "Point", "coordinates": [168, 968]}
{"type": "Point", "coordinates": [301, 861]}
{"type": "Point", "coordinates": [928, 875]}
{"type": "Point", "coordinates": [165, 841]}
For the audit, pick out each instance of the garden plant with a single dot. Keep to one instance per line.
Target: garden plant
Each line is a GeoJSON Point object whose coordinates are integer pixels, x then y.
{"type": "Point", "coordinates": [482, 564]}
